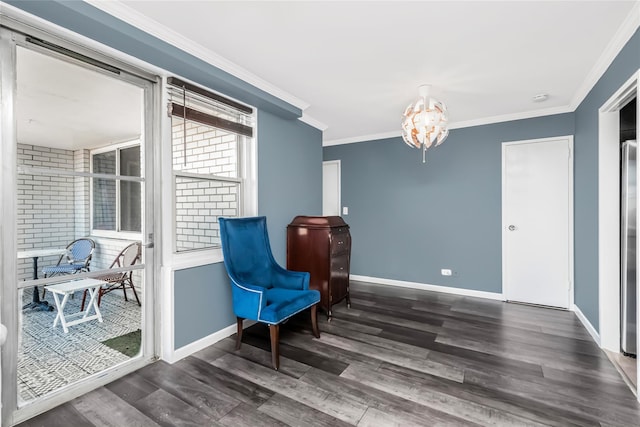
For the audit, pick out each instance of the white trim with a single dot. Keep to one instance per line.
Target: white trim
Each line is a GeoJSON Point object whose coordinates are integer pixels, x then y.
{"type": "Point", "coordinates": [363, 138]}
{"type": "Point", "coordinates": [42, 25]}
{"type": "Point", "coordinates": [609, 214]}
{"type": "Point", "coordinates": [339, 185]}
{"type": "Point", "coordinates": [427, 287]}
{"type": "Point", "coordinates": [456, 125]}
{"type": "Point", "coordinates": [312, 122]}
{"type": "Point", "coordinates": [511, 117]}
{"type": "Point", "coordinates": [585, 322]}
{"type": "Point", "coordinates": [622, 36]}
{"type": "Point", "coordinates": [205, 342]}
{"type": "Point", "coordinates": [144, 23]}
{"type": "Point", "coordinates": [251, 290]}
{"type": "Point", "coordinates": [570, 237]}
{"type": "Point", "coordinates": [200, 344]}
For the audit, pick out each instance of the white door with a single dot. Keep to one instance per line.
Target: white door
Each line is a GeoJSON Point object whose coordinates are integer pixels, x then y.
{"type": "Point", "coordinates": [537, 221]}
{"type": "Point", "coordinates": [331, 188]}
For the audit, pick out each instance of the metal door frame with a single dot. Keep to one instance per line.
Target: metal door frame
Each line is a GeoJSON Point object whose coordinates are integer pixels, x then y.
{"type": "Point", "coordinates": [9, 308]}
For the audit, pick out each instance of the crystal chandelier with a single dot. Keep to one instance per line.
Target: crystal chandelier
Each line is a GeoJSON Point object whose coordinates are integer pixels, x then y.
{"type": "Point", "coordinates": [425, 122]}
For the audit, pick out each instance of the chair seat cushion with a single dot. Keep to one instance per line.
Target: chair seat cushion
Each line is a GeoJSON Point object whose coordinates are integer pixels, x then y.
{"type": "Point", "coordinates": [284, 303]}
{"type": "Point", "coordinates": [112, 277]}
{"type": "Point", "coordinates": [63, 268]}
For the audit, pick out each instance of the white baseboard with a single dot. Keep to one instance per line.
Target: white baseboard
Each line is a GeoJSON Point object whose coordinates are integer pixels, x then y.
{"type": "Point", "coordinates": [196, 346]}
{"type": "Point", "coordinates": [592, 331]}
{"type": "Point", "coordinates": [427, 287]}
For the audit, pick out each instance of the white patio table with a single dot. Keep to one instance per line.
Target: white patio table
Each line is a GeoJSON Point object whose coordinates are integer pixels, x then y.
{"type": "Point", "coordinates": [66, 289]}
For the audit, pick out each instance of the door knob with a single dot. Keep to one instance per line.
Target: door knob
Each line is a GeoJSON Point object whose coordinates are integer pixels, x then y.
{"type": "Point", "coordinates": [512, 227]}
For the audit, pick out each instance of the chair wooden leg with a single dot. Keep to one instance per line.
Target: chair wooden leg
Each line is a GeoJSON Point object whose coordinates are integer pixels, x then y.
{"type": "Point", "coordinates": [314, 320]}
{"type": "Point", "coordinates": [274, 331]}
{"type": "Point", "coordinates": [135, 294]}
{"type": "Point", "coordinates": [239, 333]}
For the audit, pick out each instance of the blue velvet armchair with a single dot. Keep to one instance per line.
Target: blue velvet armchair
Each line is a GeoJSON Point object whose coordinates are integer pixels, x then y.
{"type": "Point", "coordinates": [261, 289]}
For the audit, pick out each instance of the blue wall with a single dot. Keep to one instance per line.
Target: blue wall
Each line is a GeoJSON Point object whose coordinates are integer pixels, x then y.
{"type": "Point", "coordinates": [289, 156]}
{"type": "Point", "coordinates": [199, 307]}
{"type": "Point", "coordinates": [289, 175]}
{"type": "Point", "coordinates": [586, 177]}
{"type": "Point", "coordinates": [408, 219]}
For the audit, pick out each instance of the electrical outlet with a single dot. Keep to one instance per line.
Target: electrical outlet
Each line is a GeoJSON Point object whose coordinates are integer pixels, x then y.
{"type": "Point", "coordinates": [445, 272]}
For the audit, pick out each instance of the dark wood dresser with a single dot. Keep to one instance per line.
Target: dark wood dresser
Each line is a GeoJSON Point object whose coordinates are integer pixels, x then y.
{"type": "Point", "coordinates": [321, 245]}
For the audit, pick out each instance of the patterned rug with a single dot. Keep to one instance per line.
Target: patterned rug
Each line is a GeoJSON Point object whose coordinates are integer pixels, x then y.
{"type": "Point", "coordinates": [49, 359]}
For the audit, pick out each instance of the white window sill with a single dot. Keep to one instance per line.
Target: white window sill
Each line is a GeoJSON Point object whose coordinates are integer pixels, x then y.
{"type": "Point", "coordinates": [182, 260]}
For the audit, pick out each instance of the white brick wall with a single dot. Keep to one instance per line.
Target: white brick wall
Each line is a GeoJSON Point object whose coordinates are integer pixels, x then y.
{"type": "Point", "coordinates": [81, 161]}
{"type": "Point", "coordinates": [199, 202]}
{"type": "Point", "coordinates": [45, 205]}
{"type": "Point", "coordinates": [209, 150]}
{"type": "Point", "coordinates": [53, 210]}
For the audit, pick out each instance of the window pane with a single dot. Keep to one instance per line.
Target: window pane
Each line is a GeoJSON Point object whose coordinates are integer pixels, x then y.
{"type": "Point", "coordinates": [209, 150]}
{"type": "Point", "coordinates": [130, 192]}
{"type": "Point", "coordinates": [105, 163]}
{"type": "Point", "coordinates": [104, 192]}
{"type": "Point", "coordinates": [104, 204]}
{"type": "Point", "coordinates": [130, 161]}
{"type": "Point", "coordinates": [199, 203]}
{"type": "Point", "coordinates": [130, 206]}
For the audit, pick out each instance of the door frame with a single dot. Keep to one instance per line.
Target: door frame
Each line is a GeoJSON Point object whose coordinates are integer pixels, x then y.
{"type": "Point", "coordinates": [504, 225]}
{"type": "Point", "coordinates": [609, 214]}
{"type": "Point", "coordinates": [608, 334]}
{"type": "Point", "coordinates": [339, 178]}
{"type": "Point", "coordinates": [10, 38]}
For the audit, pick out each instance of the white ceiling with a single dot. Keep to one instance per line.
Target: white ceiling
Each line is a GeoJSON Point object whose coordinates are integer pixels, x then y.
{"type": "Point", "coordinates": [357, 64]}
{"type": "Point", "coordinates": [64, 105]}
{"type": "Point", "coordinates": [352, 66]}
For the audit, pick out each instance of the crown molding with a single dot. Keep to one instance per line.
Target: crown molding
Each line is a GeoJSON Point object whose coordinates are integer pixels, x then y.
{"type": "Point", "coordinates": [456, 125]}
{"type": "Point", "coordinates": [313, 122]}
{"type": "Point", "coordinates": [363, 138]}
{"type": "Point", "coordinates": [512, 117]}
{"type": "Point", "coordinates": [144, 23]}
{"type": "Point", "coordinates": [622, 36]}
{"type": "Point", "coordinates": [26, 21]}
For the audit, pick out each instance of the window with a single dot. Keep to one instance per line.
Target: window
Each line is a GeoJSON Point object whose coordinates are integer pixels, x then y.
{"type": "Point", "coordinates": [116, 200]}
{"type": "Point", "coordinates": [210, 140]}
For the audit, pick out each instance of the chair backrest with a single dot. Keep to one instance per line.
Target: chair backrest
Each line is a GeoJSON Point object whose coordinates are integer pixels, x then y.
{"type": "Point", "coordinates": [128, 256]}
{"type": "Point", "coordinates": [246, 250]}
{"type": "Point", "coordinates": [80, 251]}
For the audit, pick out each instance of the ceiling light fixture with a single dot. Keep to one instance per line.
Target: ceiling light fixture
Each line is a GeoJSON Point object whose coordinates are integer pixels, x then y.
{"type": "Point", "coordinates": [425, 122]}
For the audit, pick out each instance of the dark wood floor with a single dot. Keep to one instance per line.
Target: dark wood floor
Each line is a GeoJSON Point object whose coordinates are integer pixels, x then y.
{"type": "Point", "coordinates": [398, 357]}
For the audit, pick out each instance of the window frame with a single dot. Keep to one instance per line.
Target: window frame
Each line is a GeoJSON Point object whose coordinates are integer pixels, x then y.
{"type": "Point", "coordinates": [116, 234]}
{"type": "Point", "coordinates": [247, 174]}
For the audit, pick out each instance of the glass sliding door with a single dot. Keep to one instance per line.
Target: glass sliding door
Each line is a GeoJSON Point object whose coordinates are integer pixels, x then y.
{"type": "Point", "coordinates": [77, 263]}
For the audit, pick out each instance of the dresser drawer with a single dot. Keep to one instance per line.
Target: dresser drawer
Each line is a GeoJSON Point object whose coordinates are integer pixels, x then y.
{"type": "Point", "coordinates": [340, 243]}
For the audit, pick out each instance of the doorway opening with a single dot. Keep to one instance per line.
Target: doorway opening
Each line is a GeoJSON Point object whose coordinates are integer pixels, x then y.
{"type": "Point", "coordinates": [331, 199]}
{"type": "Point", "coordinates": [76, 159]}
{"type": "Point", "coordinates": [617, 209]}
{"type": "Point", "coordinates": [628, 249]}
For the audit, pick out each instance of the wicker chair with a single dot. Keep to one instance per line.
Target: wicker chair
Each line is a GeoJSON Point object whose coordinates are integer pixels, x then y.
{"type": "Point", "coordinates": [128, 257]}
{"type": "Point", "coordinates": [75, 260]}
